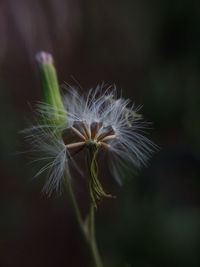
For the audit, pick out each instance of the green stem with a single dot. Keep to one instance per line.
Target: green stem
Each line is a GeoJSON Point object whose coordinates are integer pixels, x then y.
{"type": "Point", "coordinates": [87, 230]}
{"type": "Point", "coordinates": [75, 206]}
{"type": "Point", "coordinates": [92, 242]}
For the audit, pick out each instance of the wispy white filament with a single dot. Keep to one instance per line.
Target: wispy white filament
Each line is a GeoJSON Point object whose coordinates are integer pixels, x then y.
{"type": "Point", "coordinates": [99, 109]}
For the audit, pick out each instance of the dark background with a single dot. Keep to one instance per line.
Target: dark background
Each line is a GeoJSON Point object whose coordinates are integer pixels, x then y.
{"type": "Point", "coordinates": [150, 50]}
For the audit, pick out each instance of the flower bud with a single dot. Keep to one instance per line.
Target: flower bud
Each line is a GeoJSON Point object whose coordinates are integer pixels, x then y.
{"type": "Point", "coordinates": [51, 92]}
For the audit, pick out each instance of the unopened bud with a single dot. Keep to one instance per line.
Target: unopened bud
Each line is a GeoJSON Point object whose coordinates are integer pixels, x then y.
{"type": "Point", "coordinates": [51, 92]}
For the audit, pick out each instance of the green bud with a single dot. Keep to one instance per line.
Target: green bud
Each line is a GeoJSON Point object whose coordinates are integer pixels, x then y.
{"type": "Point", "coordinates": [51, 92]}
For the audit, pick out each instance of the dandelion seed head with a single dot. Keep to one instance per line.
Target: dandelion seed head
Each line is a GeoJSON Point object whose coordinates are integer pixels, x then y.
{"type": "Point", "coordinates": [98, 119]}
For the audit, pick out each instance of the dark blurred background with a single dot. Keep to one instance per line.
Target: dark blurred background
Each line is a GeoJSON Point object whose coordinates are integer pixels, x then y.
{"type": "Point", "coordinates": [150, 50]}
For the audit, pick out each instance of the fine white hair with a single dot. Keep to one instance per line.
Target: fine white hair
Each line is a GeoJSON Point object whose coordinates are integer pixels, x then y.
{"type": "Point", "coordinates": [99, 106]}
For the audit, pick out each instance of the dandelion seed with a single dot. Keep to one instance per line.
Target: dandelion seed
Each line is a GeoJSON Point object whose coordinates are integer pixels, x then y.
{"type": "Point", "coordinates": [99, 121]}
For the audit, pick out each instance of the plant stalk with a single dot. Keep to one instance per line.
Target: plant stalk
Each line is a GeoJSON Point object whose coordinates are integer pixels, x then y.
{"type": "Point", "coordinates": [87, 229]}
{"type": "Point", "coordinates": [75, 206]}
{"type": "Point", "coordinates": [92, 241]}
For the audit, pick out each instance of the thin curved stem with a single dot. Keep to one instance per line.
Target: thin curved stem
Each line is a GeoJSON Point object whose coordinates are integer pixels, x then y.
{"type": "Point", "coordinates": [75, 205]}
{"type": "Point", "coordinates": [87, 230]}
{"type": "Point", "coordinates": [93, 243]}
